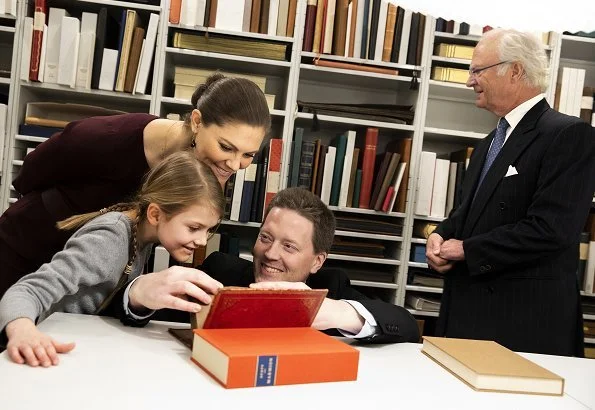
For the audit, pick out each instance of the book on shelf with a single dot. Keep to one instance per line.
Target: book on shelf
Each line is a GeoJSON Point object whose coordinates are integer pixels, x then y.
{"type": "Point", "coordinates": [236, 307]}
{"type": "Point", "coordinates": [418, 253]}
{"type": "Point", "coordinates": [271, 357]}
{"type": "Point", "coordinates": [350, 247]}
{"type": "Point", "coordinates": [487, 366]}
{"type": "Point", "coordinates": [106, 39]}
{"type": "Point", "coordinates": [423, 229]}
{"type": "Point", "coordinates": [425, 303]}
{"type": "Point", "coordinates": [354, 66]}
{"type": "Point", "coordinates": [39, 28]}
{"type": "Point", "coordinates": [38, 130]}
{"type": "Point", "coordinates": [227, 45]}
{"type": "Point", "coordinates": [400, 114]}
{"type": "Point", "coordinates": [52, 114]}
{"type": "Point", "coordinates": [454, 51]}
{"type": "Point", "coordinates": [449, 74]}
{"type": "Point", "coordinates": [418, 277]}
{"type": "Point", "coordinates": [367, 225]}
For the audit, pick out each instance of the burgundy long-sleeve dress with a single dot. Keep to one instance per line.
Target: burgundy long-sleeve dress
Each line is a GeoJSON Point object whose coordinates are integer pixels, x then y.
{"type": "Point", "coordinates": [93, 163]}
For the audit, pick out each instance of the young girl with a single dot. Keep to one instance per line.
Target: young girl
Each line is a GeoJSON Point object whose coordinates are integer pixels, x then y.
{"type": "Point", "coordinates": [179, 202]}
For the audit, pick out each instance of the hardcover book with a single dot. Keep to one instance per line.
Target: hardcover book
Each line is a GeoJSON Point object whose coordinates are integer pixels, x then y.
{"type": "Point", "coordinates": [236, 307]}
{"type": "Point", "coordinates": [487, 366]}
{"type": "Point", "coordinates": [271, 357]}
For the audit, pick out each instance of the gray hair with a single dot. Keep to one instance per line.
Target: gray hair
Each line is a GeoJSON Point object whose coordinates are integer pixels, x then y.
{"type": "Point", "coordinates": [526, 49]}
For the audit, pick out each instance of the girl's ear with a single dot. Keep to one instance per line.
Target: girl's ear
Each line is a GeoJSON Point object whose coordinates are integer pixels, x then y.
{"type": "Point", "coordinates": [154, 214]}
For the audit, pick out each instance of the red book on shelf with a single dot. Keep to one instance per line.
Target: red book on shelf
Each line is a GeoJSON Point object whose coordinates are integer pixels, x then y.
{"type": "Point", "coordinates": [272, 357]}
{"type": "Point", "coordinates": [387, 199]}
{"type": "Point", "coordinates": [39, 14]}
{"type": "Point", "coordinates": [274, 171]}
{"type": "Point", "coordinates": [368, 167]}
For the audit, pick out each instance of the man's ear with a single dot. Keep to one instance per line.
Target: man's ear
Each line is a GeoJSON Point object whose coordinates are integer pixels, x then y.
{"type": "Point", "coordinates": [195, 120]}
{"type": "Point", "coordinates": [517, 72]}
{"type": "Point", "coordinates": [154, 214]}
{"type": "Point", "coordinates": [318, 262]}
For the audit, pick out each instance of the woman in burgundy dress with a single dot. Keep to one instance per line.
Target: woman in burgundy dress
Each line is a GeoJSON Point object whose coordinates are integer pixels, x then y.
{"type": "Point", "coordinates": [100, 161]}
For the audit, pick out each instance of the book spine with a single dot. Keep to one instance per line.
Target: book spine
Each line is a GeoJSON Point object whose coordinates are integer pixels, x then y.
{"type": "Point", "coordinates": [368, 167]}
{"type": "Point", "coordinates": [38, 27]}
{"type": "Point", "coordinates": [174, 11]}
{"type": "Point", "coordinates": [309, 26]}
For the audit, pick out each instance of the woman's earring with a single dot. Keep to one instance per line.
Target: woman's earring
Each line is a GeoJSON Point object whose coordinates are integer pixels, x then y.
{"type": "Point", "coordinates": [193, 143]}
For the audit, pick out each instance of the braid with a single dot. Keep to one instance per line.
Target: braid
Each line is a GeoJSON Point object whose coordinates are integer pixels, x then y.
{"type": "Point", "coordinates": [140, 208]}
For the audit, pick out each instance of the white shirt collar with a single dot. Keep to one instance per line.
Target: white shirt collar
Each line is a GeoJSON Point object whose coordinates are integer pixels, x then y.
{"type": "Point", "coordinates": [516, 115]}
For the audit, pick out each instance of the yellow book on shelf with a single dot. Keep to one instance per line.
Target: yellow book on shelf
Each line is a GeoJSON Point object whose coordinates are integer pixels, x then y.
{"type": "Point", "coordinates": [454, 51]}
{"type": "Point", "coordinates": [452, 75]}
{"type": "Point", "coordinates": [226, 45]}
{"type": "Point", "coordinates": [487, 366]}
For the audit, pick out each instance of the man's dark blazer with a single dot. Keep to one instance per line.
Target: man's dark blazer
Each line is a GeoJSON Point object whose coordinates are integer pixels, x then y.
{"type": "Point", "coordinates": [517, 284]}
{"type": "Point", "coordinates": [395, 323]}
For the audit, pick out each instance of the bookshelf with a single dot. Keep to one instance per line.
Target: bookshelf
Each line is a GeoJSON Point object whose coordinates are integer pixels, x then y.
{"type": "Point", "coordinates": [445, 118]}
{"type": "Point", "coordinates": [7, 65]}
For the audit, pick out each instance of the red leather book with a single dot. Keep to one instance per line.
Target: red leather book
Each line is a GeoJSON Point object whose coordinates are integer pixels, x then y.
{"type": "Point", "coordinates": [368, 167]}
{"type": "Point", "coordinates": [309, 25]}
{"type": "Point", "coordinates": [271, 357]}
{"type": "Point", "coordinates": [39, 14]}
{"type": "Point", "coordinates": [236, 307]}
{"type": "Point", "coordinates": [387, 199]}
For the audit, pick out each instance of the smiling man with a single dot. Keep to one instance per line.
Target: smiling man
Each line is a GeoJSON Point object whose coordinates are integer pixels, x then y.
{"type": "Point", "coordinates": [289, 253]}
{"type": "Point", "coordinates": [509, 251]}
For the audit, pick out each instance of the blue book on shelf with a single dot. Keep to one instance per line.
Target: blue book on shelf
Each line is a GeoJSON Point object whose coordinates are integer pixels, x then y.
{"type": "Point", "coordinates": [38, 130]}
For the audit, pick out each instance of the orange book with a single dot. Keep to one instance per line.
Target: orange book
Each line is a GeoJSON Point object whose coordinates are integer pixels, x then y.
{"type": "Point", "coordinates": [272, 357]}
{"type": "Point", "coordinates": [175, 7]}
{"type": "Point", "coordinates": [237, 307]}
{"type": "Point", "coordinates": [274, 171]}
{"type": "Point", "coordinates": [291, 17]}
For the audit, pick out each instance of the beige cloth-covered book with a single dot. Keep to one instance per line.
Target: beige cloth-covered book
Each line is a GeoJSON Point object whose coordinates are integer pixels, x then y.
{"type": "Point", "coordinates": [487, 366]}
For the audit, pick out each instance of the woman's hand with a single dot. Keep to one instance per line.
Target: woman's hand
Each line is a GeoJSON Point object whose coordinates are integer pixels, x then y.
{"type": "Point", "coordinates": [169, 288]}
{"type": "Point", "coordinates": [27, 345]}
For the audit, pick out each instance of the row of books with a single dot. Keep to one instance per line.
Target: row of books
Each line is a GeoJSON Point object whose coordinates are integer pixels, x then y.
{"type": "Point", "coordinates": [465, 29]}
{"type": "Point", "coordinates": [93, 51]}
{"type": "Point", "coordinates": [8, 7]}
{"type": "Point", "coordinates": [220, 43]}
{"type": "Point", "coordinates": [572, 97]}
{"type": "Point", "coordinates": [272, 17]}
{"type": "Point", "coordinates": [248, 192]}
{"type": "Point", "coordinates": [336, 173]}
{"type": "Point", "coordinates": [439, 182]}
{"type": "Point", "coordinates": [187, 78]}
{"type": "Point", "coordinates": [369, 29]}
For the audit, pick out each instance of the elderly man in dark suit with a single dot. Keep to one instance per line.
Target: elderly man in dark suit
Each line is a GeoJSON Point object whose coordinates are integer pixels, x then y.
{"type": "Point", "coordinates": [509, 252]}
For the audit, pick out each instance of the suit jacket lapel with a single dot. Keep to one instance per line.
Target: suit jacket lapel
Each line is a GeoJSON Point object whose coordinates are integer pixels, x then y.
{"type": "Point", "coordinates": [522, 136]}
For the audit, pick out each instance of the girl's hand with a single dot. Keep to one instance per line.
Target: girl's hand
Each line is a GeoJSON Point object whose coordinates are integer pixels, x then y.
{"type": "Point", "coordinates": [171, 287]}
{"type": "Point", "coordinates": [27, 345]}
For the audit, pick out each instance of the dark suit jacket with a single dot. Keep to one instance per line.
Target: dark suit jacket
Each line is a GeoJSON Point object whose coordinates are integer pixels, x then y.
{"type": "Point", "coordinates": [517, 284]}
{"type": "Point", "coordinates": [394, 322]}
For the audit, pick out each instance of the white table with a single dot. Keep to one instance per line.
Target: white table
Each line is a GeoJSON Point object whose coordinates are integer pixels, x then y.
{"type": "Point", "coordinates": [117, 367]}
